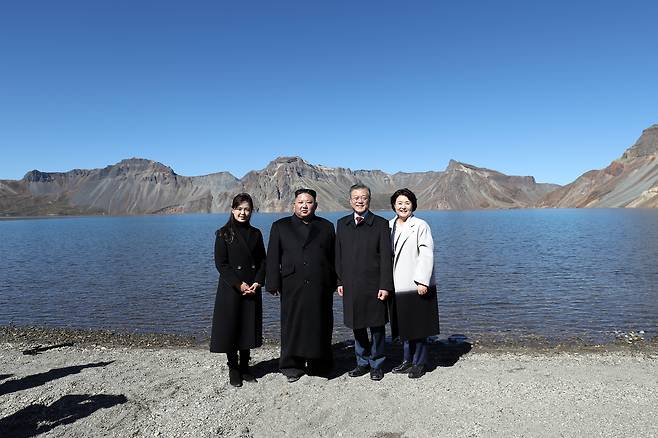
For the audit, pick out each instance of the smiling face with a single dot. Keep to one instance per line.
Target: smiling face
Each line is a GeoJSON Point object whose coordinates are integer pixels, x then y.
{"type": "Point", "coordinates": [403, 207]}
{"type": "Point", "coordinates": [360, 201]}
{"type": "Point", "coordinates": [304, 206]}
{"type": "Point", "coordinates": [242, 212]}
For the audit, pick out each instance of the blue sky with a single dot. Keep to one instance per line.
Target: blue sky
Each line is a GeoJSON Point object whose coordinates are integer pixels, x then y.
{"type": "Point", "coordinates": [549, 89]}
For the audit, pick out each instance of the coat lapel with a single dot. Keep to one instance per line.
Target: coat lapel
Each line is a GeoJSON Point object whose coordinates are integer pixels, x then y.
{"type": "Point", "coordinates": [407, 230]}
{"type": "Point", "coordinates": [312, 232]}
{"type": "Point", "coordinates": [295, 225]}
{"type": "Point", "coordinates": [349, 222]}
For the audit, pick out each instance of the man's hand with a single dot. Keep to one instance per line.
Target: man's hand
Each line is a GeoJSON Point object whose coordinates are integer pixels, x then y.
{"type": "Point", "coordinates": [422, 289]}
{"type": "Point", "coordinates": [254, 287]}
{"type": "Point", "coordinates": [340, 291]}
{"type": "Point", "coordinates": [274, 292]}
{"type": "Point", "coordinates": [382, 294]}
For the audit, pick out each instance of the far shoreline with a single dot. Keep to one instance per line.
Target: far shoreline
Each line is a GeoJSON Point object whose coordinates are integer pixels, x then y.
{"type": "Point", "coordinates": [380, 212]}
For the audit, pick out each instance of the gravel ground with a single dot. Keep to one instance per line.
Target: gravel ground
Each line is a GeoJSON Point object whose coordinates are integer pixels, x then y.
{"type": "Point", "coordinates": [116, 385]}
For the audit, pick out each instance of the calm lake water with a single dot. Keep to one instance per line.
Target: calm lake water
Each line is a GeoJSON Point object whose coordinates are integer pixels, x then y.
{"type": "Point", "coordinates": [557, 274]}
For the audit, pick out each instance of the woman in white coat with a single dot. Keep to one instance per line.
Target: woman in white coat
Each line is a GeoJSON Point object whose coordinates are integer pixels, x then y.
{"type": "Point", "coordinates": [414, 310]}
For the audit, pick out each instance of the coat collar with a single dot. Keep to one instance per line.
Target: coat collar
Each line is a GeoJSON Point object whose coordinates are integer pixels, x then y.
{"type": "Point", "coordinates": [312, 231]}
{"type": "Point", "coordinates": [407, 230]}
{"type": "Point", "coordinates": [368, 219]}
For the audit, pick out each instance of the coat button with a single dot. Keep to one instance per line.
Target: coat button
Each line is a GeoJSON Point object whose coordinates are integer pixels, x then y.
{"type": "Point", "coordinates": [305, 263]}
{"type": "Point", "coordinates": [239, 267]}
{"type": "Point", "coordinates": [307, 281]}
{"type": "Point", "coordinates": [253, 266]}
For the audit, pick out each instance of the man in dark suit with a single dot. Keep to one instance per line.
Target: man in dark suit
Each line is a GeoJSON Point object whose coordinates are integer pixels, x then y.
{"type": "Point", "coordinates": [365, 279]}
{"type": "Point", "coordinates": [300, 256]}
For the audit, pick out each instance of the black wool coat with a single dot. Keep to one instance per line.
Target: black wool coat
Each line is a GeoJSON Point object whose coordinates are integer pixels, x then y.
{"type": "Point", "coordinates": [237, 322]}
{"type": "Point", "coordinates": [300, 265]}
{"type": "Point", "coordinates": [364, 265]}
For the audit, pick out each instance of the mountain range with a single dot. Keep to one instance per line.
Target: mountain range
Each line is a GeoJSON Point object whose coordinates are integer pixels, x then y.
{"type": "Point", "coordinates": [140, 186]}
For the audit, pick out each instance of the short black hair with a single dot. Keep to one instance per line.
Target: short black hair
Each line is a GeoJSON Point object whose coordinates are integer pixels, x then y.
{"type": "Point", "coordinates": [309, 191]}
{"type": "Point", "coordinates": [404, 192]}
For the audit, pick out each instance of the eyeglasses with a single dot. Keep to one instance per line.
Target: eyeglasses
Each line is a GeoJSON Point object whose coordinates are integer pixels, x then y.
{"type": "Point", "coordinates": [360, 198]}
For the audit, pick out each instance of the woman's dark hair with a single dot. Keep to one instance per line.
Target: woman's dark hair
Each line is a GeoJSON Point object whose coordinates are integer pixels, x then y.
{"type": "Point", "coordinates": [404, 192]}
{"type": "Point", "coordinates": [227, 232]}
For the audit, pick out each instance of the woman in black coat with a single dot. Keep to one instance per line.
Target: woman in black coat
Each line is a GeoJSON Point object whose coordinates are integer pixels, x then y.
{"type": "Point", "coordinates": [237, 323]}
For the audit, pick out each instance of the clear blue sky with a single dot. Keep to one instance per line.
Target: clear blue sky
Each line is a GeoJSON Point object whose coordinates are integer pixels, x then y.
{"type": "Point", "coordinates": [549, 89]}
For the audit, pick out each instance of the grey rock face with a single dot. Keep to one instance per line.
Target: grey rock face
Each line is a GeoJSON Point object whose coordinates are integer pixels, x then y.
{"type": "Point", "coordinates": [646, 145]}
{"type": "Point", "coordinates": [138, 186]}
{"type": "Point", "coordinates": [630, 181]}
{"type": "Point", "coordinates": [466, 187]}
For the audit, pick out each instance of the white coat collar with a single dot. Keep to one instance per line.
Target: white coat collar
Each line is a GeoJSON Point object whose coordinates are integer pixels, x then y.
{"type": "Point", "coordinates": [407, 230]}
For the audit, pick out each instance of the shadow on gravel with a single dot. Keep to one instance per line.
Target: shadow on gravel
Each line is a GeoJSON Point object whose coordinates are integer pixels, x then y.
{"type": "Point", "coordinates": [42, 378]}
{"type": "Point", "coordinates": [5, 376]}
{"type": "Point", "coordinates": [441, 354]}
{"type": "Point", "coordinates": [265, 367]}
{"type": "Point", "coordinates": [445, 354]}
{"type": "Point", "coordinates": [37, 419]}
{"type": "Point", "coordinates": [343, 353]}
{"type": "Point", "coordinates": [40, 349]}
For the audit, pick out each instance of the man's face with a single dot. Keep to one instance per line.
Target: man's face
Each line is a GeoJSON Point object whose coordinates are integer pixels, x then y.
{"type": "Point", "coordinates": [359, 200]}
{"type": "Point", "coordinates": [304, 206]}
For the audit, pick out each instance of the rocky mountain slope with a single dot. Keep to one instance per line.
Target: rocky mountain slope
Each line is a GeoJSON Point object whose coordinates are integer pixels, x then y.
{"type": "Point", "coordinates": [139, 186]}
{"type": "Point", "coordinates": [467, 187]}
{"type": "Point", "coordinates": [629, 181]}
{"type": "Point", "coordinates": [133, 186]}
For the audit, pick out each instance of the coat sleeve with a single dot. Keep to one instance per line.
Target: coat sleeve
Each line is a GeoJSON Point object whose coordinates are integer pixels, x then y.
{"type": "Point", "coordinates": [274, 260]}
{"type": "Point", "coordinates": [385, 258]}
{"type": "Point", "coordinates": [226, 271]}
{"type": "Point", "coordinates": [338, 255]}
{"type": "Point", "coordinates": [425, 260]}
{"type": "Point", "coordinates": [262, 262]}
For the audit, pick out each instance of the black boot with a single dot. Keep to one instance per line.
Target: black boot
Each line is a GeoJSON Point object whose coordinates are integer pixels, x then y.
{"type": "Point", "coordinates": [234, 374]}
{"type": "Point", "coordinates": [247, 375]}
{"type": "Point", "coordinates": [235, 377]}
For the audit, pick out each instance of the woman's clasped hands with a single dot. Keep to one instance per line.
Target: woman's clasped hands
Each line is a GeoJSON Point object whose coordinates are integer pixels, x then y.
{"type": "Point", "coordinates": [245, 289]}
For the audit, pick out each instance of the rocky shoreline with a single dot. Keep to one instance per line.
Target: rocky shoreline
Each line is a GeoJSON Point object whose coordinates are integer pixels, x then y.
{"type": "Point", "coordinates": [81, 383]}
{"type": "Point", "coordinates": [32, 336]}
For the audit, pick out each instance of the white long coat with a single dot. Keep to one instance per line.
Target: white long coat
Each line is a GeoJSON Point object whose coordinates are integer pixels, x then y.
{"type": "Point", "coordinates": [414, 316]}
{"type": "Point", "coordinates": [413, 260]}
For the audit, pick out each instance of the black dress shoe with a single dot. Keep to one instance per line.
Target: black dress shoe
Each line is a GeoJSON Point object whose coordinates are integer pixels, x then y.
{"type": "Point", "coordinates": [234, 377]}
{"type": "Point", "coordinates": [403, 368]}
{"type": "Point", "coordinates": [376, 374]}
{"type": "Point", "coordinates": [416, 371]}
{"type": "Point", "coordinates": [293, 379]}
{"type": "Point", "coordinates": [359, 371]}
{"type": "Point", "coordinates": [247, 376]}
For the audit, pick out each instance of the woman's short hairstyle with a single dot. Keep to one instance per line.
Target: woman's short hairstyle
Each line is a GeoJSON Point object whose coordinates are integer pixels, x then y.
{"type": "Point", "coordinates": [404, 192]}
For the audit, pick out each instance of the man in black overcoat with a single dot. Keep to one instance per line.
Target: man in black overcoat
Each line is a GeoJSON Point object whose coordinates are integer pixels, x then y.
{"type": "Point", "coordinates": [300, 260]}
{"type": "Point", "coordinates": [365, 280]}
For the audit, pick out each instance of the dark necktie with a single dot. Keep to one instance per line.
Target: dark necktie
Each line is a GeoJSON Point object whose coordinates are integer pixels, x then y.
{"type": "Point", "coordinates": [359, 219]}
